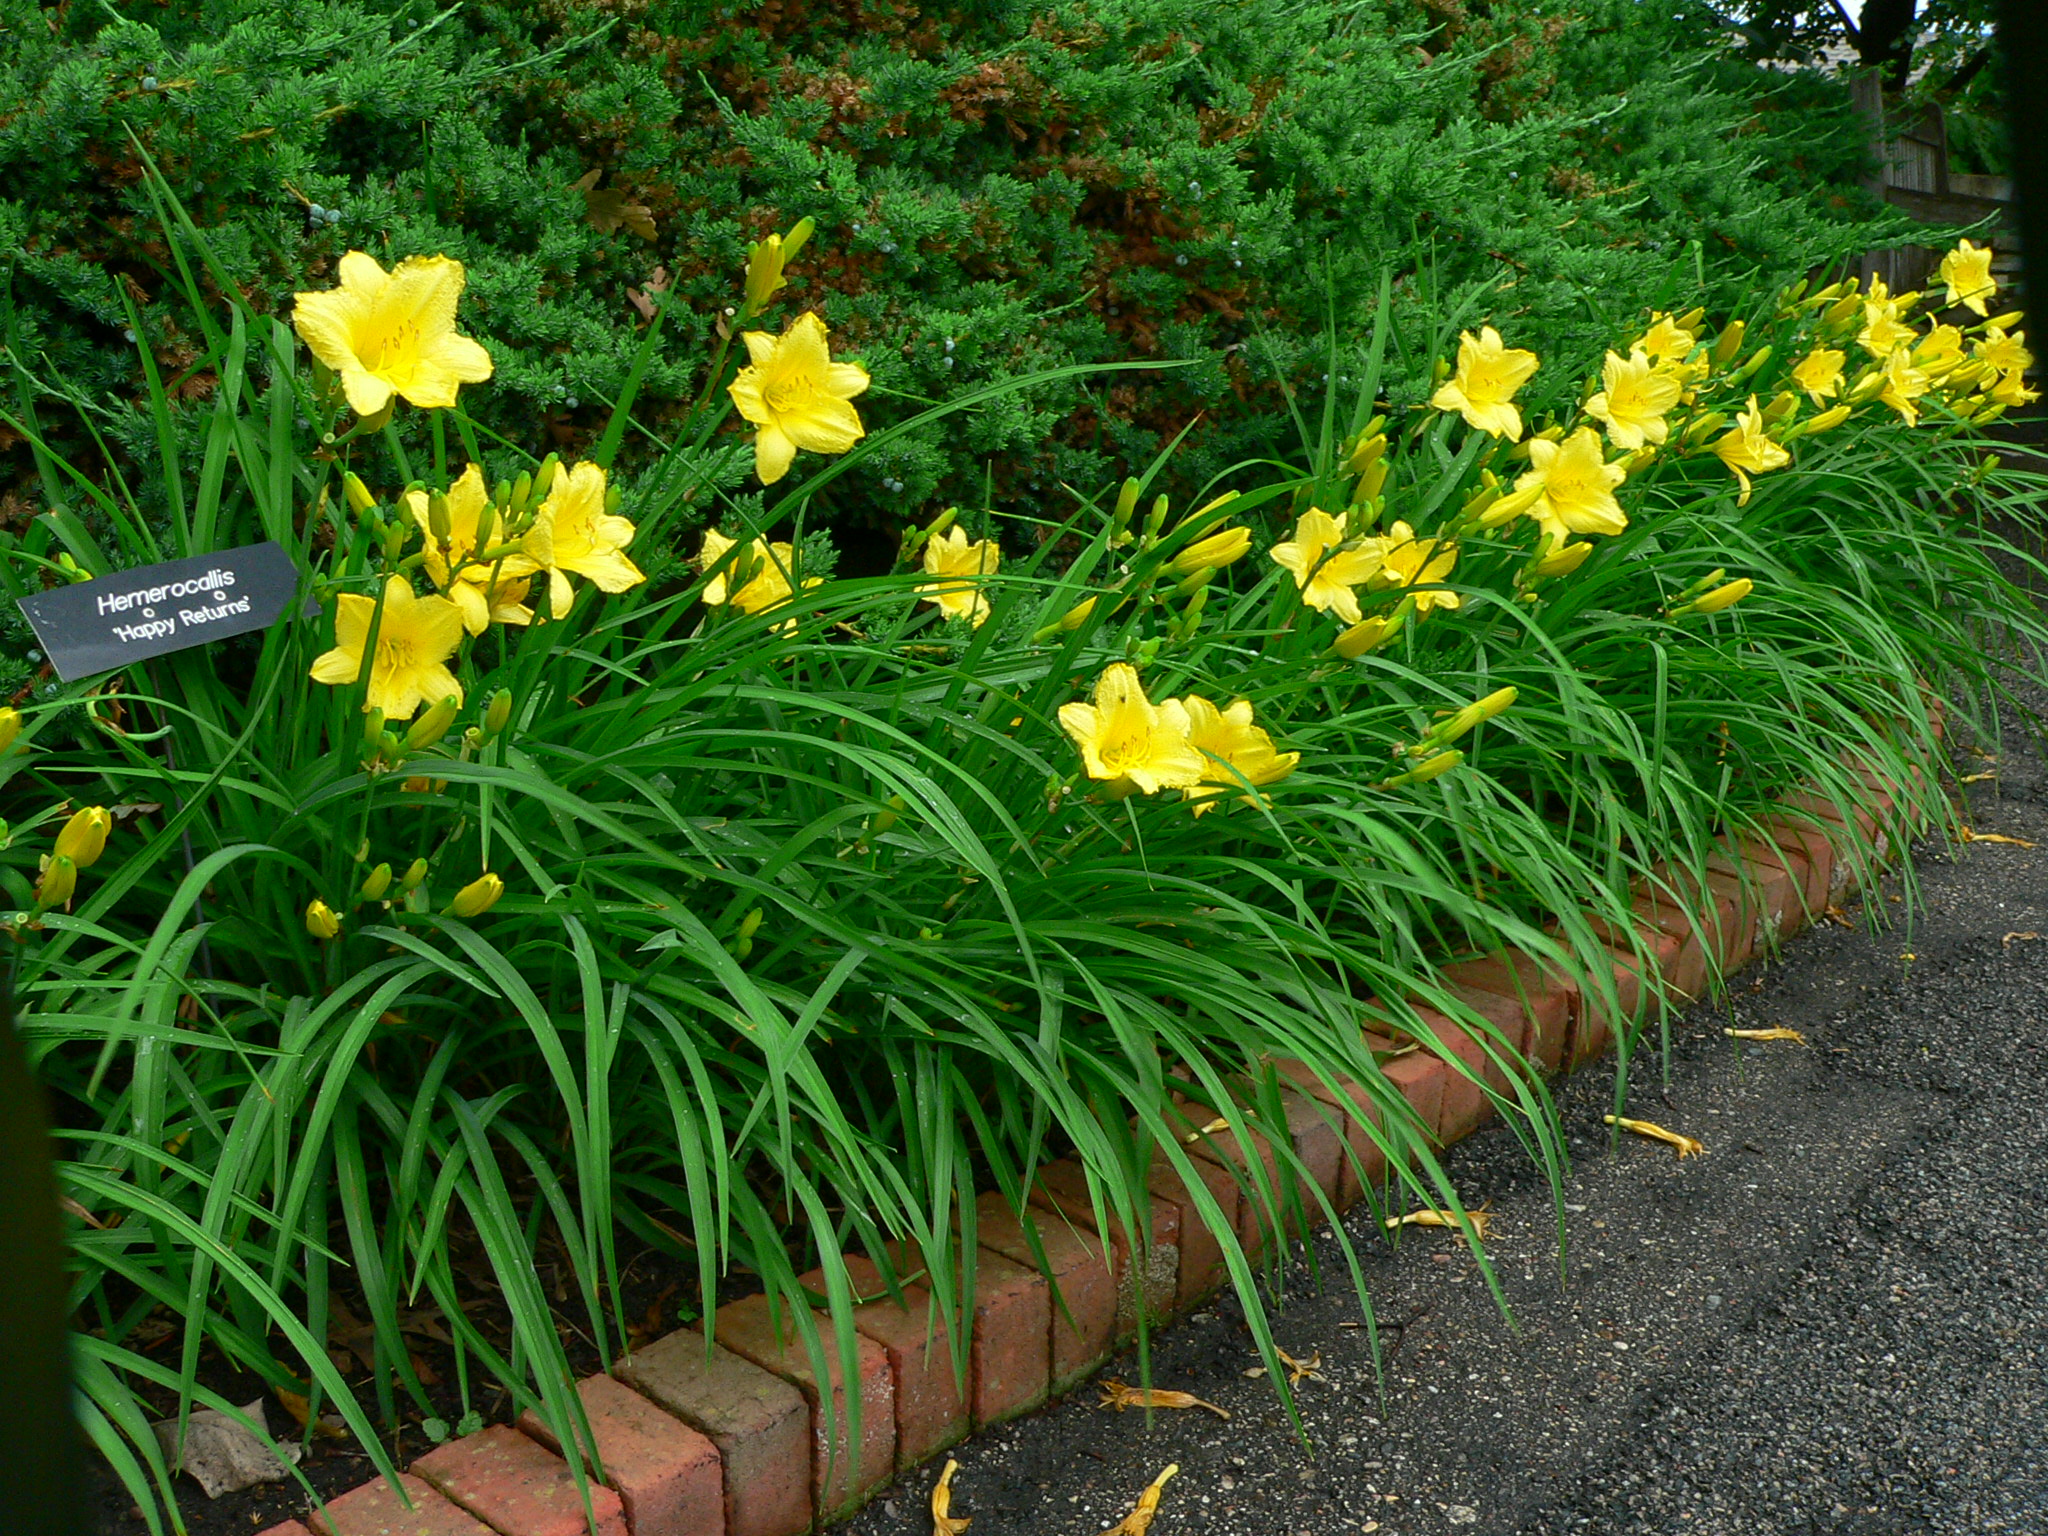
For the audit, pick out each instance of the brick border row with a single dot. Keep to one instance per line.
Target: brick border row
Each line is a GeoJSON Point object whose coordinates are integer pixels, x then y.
{"type": "Point", "coordinates": [730, 1439]}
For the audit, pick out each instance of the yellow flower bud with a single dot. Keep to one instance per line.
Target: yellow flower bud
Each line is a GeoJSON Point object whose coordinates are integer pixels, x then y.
{"type": "Point", "coordinates": [1126, 504]}
{"type": "Point", "coordinates": [1867, 388]}
{"type": "Point", "coordinates": [1473, 715]}
{"type": "Point", "coordinates": [1562, 561]}
{"type": "Point", "coordinates": [1729, 343]}
{"type": "Point", "coordinates": [1442, 763]}
{"type": "Point", "coordinates": [1784, 405]}
{"type": "Point", "coordinates": [1511, 506]}
{"type": "Point", "coordinates": [1690, 320]}
{"type": "Point", "coordinates": [498, 713]}
{"type": "Point", "coordinates": [376, 883]}
{"type": "Point", "coordinates": [10, 727]}
{"type": "Point", "coordinates": [1371, 481]}
{"type": "Point", "coordinates": [1067, 623]}
{"type": "Point", "coordinates": [477, 897]}
{"type": "Point", "coordinates": [1212, 553]}
{"type": "Point", "coordinates": [415, 872]}
{"type": "Point", "coordinates": [751, 923]}
{"type": "Point", "coordinates": [358, 494]}
{"type": "Point", "coordinates": [544, 477]}
{"type": "Point", "coordinates": [887, 816]}
{"type": "Point", "coordinates": [439, 520]}
{"type": "Point", "coordinates": [1833, 416]}
{"type": "Point", "coordinates": [1724, 597]}
{"type": "Point", "coordinates": [1369, 451]}
{"type": "Point", "coordinates": [1361, 637]}
{"type": "Point", "coordinates": [59, 880]}
{"type": "Point", "coordinates": [432, 725]}
{"type": "Point", "coordinates": [321, 922]}
{"type": "Point", "coordinates": [2006, 321]}
{"type": "Point", "coordinates": [84, 837]}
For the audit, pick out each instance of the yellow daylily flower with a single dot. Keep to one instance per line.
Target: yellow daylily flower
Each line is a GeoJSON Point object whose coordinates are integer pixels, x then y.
{"type": "Point", "coordinates": [415, 638]}
{"type": "Point", "coordinates": [2005, 352]}
{"type": "Point", "coordinates": [2011, 391]}
{"type": "Point", "coordinates": [393, 332]}
{"type": "Point", "coordinates": [797, 396]}
{"type": "Point", "coordinates": [83, 838]}
{"type": "Point", "coordinates": [1322, 568]}
{"type": "Point", "coordinates": [483, 590]}
{"type": "Point", "coordinates": [1228, 734]}
{"type": "Point", "coordinates": [1883, 332]}
{"type": "Point", "coordinates": [1967, 271]}
{"type": "Point", "coordinates": [1819, 373]}
{"type": "Point", "coordinates": [952, 555]}
{"type": "Point", "coordinates": [1633, 403]}
{"type": "Point", "coordinates": [1483, 388]}
{"type": "Point", "coordinates": [1748, 449]}
{"type": "Point", "coordinates": [321, 921]}
{"type": "Point", "coordinates": [1123, 735]}
{"type": "Point", "coordinates": [1666, 341]}
{"type": "Point", "coordinates": [1938, 351]}
{"type": "Point", "coordinates": [1577, 486]}
{"type": "Point", "coordinates": [1903, 385]}
{"type": "Point", "coordinates": [769, 567]}
{"type": "Point", "coordinates": [574, 533]}
{"type": "Point", "coordinates": [1406, 561]}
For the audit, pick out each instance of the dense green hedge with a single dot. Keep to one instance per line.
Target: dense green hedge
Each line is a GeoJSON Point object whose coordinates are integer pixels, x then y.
{"type": "Point", "coordinates": [999, 188]}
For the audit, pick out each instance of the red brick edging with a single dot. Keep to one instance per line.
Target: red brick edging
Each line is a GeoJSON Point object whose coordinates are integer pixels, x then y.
{"type": "Point", "coordinates": [731, 1439]}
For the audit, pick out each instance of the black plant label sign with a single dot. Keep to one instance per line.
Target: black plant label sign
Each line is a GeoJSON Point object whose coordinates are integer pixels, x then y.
{"type": "Point", "coordinates": [105, 624]}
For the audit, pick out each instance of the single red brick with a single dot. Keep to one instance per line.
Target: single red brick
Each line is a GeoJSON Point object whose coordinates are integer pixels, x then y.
{"type": "Point", "coordinates": [1365, 1160]}
{"type": "Point", "coordinates": [286, 1528]}
{"type": "Point", "coordinates": [1318, 1150]}
{"type": "Point", "coordinates": [1715, 911]}
{"type": "Point", "coordinates": [513, 1484]}
{"type": "Point", "coordinates": [759, 1422]}
{"type": "Point", "coordinates": [1247, 1161]}
{"type": "Point", "coordinates": [1419, 1078]}
{"type": "Point", "coordinates": [1807, 847]}
{"type": "Point", "coordinates": [1202, 1266]}
{"type": "Point", "coordinates": [1463, 1105]}
{"type": "Point", "coordinates": [376, 1510]}
{"type": "Point", "coordinates": [1147, 1274]}
{"type": "Point", "coordinates": [1541, 1000]}
{"type": "Point", "coordinates": [1083, 1283]}
{"type": "Point", "coordinates": [931, 1410]}
{"type": "Point", "coordinates": [1598, 1023]}
{"type": "Point", "coordinates": [1769, 888]}
{"type": "Point", "coordinates": [1008, 1366]}
{"type": "Point", "coordinates": [843, 1472]}
{"type": "Point", "coordinates": [667, 1475]}
{"type": "Point", "coordinates": [1677, 959]}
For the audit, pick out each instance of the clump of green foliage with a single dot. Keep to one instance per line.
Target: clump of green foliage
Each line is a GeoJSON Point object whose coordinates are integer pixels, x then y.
{"type": "Point", "coordinates": [999, 189]}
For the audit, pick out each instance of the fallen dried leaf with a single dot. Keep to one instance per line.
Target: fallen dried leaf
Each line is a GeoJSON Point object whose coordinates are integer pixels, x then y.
{"type": "Point", "coordinates": [1139, 1520]}
{"type": "Point", "coordinates": [2029, 934]}
{"type": "Point", "coordinates": [1429, 1216]}
{"type": "Point", "coordinates": [607, 210]}
{"type": "Point", "coordinates": [1836, 915]}
{"type": "Point", "coordinates": [1686, 1145]}
{"type": "Point", "coordinates": [640, 297]}
{"type": "Point", "coordinates": [944, 1522]}
{"type": "Point", "coordinates": [1970, 836]}
{"type": "Point", "coordinates": [221, 1455]}
{"type": "Point", "coordinates": [1299, 1371]}
{"type": "Point", "coordinates": [1778, 1032]}
{"type": "Point", "coordinates": [1118, 1396]}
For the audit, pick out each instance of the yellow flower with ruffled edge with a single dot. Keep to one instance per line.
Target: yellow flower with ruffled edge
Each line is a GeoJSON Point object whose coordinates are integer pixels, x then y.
{"type": "Point", "coordinates": [1636, 397]}
{"type": "Point", "coordinates": [1228, 735]}
{"type": "Point", "coordinates": [1883, 332]}
{"type": "Point", "coordinates": [1406, 561]}
{"type": "Point", "coordinates": [1666, 341]}
{"type": "Point", "coordinates": [1938, 351]}
{"type": "Point", "coordinates": [484, 590]}
{"type": "Point", "coordinates": [1322, 567]}
{"type": "Point", "coordinates": [797, 396]}
{"type": "Point", "coordinates": [1123, 735]}
{"type": "Point", "coordinates": [393, 332]}
{"type": "Point", "coordinates": [952, 555]}
{"type": "Point", "coordinates": [415, 637]}
{"type": "Point", "coordinates": [2005, 352]}
{"type": "Point", "coordinates": [1748, 449]}
{"type": "Point", "coordinates": [1967, 272]}
{"type": "Point", "coordinates": [1819, 373]}
{"type": "Point", "coordinates": [1576, 487]}
{"type": "Point", "coordinates": [1903, 385]}
{"type": "Point", "coordinates": [768, 571]}
{"type": "Point", "coordinates": [2011, 391]}
{"type": "Point", "coordinates": [574, 534]}
{"type": "Point", "coordinates": [1483, 388]}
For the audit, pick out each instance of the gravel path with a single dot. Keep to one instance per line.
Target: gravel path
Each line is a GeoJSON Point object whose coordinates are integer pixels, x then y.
{"type": "Point", "coordinates": [1833, 1322]}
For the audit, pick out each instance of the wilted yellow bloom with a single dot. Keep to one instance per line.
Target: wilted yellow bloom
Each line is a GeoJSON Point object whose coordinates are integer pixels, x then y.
{"type": "Point", "coordinates": [483, 590]}
{"type": "Point", "coordinates": [1122, 734]}
{"type": "Point", "coordinates": [477, 897]}
{"type": "Point", "coordinates": [1634, 402]}
{"type": "Point", "coordinates": [1119, 1395]}
{"type": "Point", "coordinates": [797, 396]}
{"type": "Point", "coordinates": [1883, 332]}
{"type": "Point", "coordinates": [392, 332]}
{"type": "Point", "coordinates": [950, 554]}
{"type": "Point", "coordinates": [1967, 271]}
{"type": "Point", "coordinates": [1903, 385]}
{"type": "Point", "coordinates": [1228, 734]}
{"type": "Point", "coordinates": [1748, 449]}
{"type": "Point", "coordinates": [765, 261]}
{"type": "Point", "coordinates": [1819, 373]}
{"type": "Point", "coordinates": [1666, 341]}
{"type": "Point", "coordinates": [944, 1521]}
{"type": "Point", "coordinates": [1686, 1146]}
{"type": "Point", "coordinates": [1322, 567]}
{"type": "Point", "coordinates": [576, 533]}
{"type": "Point", "coordinates": [1213, 552]}
{"type": "Point", "coordinates": [415, 638]}
{"type": "Point", "coordinates": [1139, 1520]}
{"type": "Point", "coordinates": [83, 838]}
{"type": "Point", "coordinates": [1483, 388]}
{"type": "Point", "coordinates": [1431, 1216]}
{"type": "Point", "coordinates": [1406, 561]}
{"type": "Point", "coordinates": [321, 922]}
{"type": "Point", "coordinates": [769, 569]}
{"type": "Point", "coordinates": [1577, 486]}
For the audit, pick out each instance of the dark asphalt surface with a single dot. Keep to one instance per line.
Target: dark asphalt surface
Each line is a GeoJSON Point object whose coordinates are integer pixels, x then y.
{"type": "Point", "coordinates": [1835, 1321]}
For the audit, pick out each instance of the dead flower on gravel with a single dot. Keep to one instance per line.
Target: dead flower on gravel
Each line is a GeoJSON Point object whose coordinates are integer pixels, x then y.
{"type": "Point", "coordinates": [2029, 934]}
{"type": "Point", "coordinates": [1686, 1145]}
{"type": "Point", "coordinates": [1970, 836]}
{"type": "Point", "coordinates": [1778, 1032]}
{"type": "Point", "coordinates": [1976, 778]}
{"type": "Point", "coordinates": [1139, 1520]}
{"type": "Point", "coordinates": [944, 1522]}
{"type": "Point", "coordinates": [1118, 1396]}
{"type": "Point", "coordinates": [1429, 1216]}
{"type": "Point", "coordinates": [1299, 1371]}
